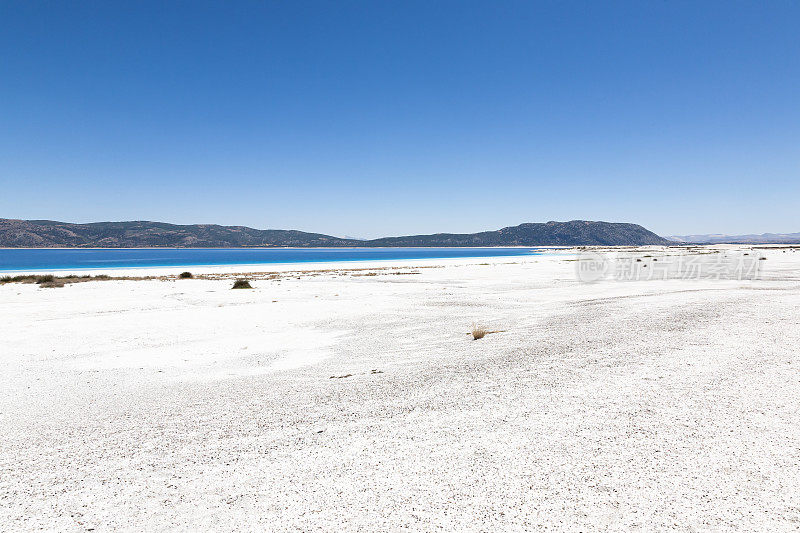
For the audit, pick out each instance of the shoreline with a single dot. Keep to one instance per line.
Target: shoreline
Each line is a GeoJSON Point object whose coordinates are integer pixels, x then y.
{"type": "Point", "coordinates": [167, 270]}
{"type": "Point", "coordinates": [270, 265]}
{"type": "Point", "coordinates": [290, 247]}
{"type": "Point", "coordinates": [265, 268]}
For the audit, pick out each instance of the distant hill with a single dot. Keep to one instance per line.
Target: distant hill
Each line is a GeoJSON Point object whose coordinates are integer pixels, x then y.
{"type": "Point", "coordinates": [573, 233]}
{"type": "Point", "coordinates": [142, 234]}
{"type": "Point", "coordinates": [763, 238]}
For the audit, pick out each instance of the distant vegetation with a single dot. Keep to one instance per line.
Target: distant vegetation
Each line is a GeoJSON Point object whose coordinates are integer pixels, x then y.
{"type": "Point", "coordinates": [51, 281]}
{"type": "Point", "coordinates": [185, 275]}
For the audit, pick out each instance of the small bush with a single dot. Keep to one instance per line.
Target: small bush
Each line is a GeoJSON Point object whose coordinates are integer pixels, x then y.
{"type": "Point", "coordinates": [51, 284]}
{"type": "Point", "coordinates": [47, 278]}
{"type": "Point", "coordinates": [185, 275]}
{"type": "Point", "coordinates": [478, 332]}
{"type": "Point", "coordinates": [241, 284]}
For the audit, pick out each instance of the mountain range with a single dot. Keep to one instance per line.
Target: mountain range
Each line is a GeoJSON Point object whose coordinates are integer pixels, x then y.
{"type": "Point", "coordinates": [718, 238]}
{"type": "Point", "coordinates": [141, 234]}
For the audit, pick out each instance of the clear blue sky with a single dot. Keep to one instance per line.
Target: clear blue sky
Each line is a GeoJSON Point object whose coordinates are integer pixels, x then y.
{"type": "Point", "coordinates": [395, 117]}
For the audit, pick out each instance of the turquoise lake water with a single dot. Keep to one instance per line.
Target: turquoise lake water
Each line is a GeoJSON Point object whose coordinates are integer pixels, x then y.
{"type": "Point", "coordinates": [74, 259]}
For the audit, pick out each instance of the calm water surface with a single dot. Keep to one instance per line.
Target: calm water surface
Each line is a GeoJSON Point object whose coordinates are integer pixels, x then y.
{"type": "Point", "coordinates": [66, 259]}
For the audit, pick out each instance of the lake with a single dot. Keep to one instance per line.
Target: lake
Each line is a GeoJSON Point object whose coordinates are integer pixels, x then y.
{"type": "Point", "coordinates": [94, 258]}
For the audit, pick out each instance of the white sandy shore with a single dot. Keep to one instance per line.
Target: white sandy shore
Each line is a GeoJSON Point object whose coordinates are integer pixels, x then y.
{"type": "Point", "coordinates": [183, 405]}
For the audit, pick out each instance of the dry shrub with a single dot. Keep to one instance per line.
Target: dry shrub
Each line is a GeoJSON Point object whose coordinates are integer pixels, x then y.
{"type": "Point", "coordinates": [478, 332]}
{"type": "Point", "coordinates": [241, 284]}
{"type": "Point", "coordinates": [51, 284]}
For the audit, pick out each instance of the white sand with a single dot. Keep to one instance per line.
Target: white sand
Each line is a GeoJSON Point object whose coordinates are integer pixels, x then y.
{"type": "Point", "coordinates": [183, 405]}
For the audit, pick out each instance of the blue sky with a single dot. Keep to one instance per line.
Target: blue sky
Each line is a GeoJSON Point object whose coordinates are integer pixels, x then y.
{"type": "Point", "coordinates": [396, 117]}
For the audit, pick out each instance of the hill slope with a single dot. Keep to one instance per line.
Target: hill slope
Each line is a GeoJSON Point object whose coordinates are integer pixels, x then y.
{"type": "Point", "coordinates": [141, 234]}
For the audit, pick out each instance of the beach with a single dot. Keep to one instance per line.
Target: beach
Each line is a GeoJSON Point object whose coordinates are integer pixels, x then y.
{"type": "Point", "coordinates": [352, 397]}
